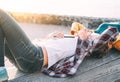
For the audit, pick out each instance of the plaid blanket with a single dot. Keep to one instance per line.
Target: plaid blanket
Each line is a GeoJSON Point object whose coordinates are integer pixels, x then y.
{"type": "Point", "coordinates": [97, 48]}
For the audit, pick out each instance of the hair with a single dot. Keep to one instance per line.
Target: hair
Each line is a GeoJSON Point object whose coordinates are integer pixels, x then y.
{"type": "Point", "coordinates": [99, 53]}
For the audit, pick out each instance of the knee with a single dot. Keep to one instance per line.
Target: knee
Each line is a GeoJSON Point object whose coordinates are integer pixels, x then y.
{"type": "Point", "coordinates": [1, 11]}
{"type": "Point", "coordinates": [2, 14]}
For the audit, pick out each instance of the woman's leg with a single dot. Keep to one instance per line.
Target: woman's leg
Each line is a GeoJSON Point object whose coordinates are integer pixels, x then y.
{"type": "Point", "coordinates": [27, 56]}
{"type": "Point", "coordinates": [3, 71]}
{"type": "Point", "coordinates": [4, 48]}
{"type": "Point", "coordinates": [1, 49]}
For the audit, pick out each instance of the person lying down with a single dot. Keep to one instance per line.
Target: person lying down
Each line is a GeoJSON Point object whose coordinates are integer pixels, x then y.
{"type": "Point", "coordinates": [66, 53]}
{"type": "Point", "coordinates": [58, 55]}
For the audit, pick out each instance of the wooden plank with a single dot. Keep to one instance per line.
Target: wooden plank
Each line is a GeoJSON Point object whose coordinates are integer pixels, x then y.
{"type": "Point", "coordinates": [106, 69]}
{"type": "Point", "coordinates": [106, 73]}
{"type": "Point", "coordinates": [91, 63]}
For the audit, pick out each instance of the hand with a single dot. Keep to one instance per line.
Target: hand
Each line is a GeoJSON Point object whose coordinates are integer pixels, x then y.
{"type": "Point", "coordinates": [55, 35]}
{"type": "Point", "coordinates": [82, 34]}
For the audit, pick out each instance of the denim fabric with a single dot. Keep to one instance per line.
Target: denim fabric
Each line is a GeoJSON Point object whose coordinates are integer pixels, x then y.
{"type": "Point", "coordinates": [18, 48]}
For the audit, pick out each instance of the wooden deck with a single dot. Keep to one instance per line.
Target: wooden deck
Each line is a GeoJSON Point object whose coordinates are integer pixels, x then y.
{"type": "Point", "coordinates": [106, 69]}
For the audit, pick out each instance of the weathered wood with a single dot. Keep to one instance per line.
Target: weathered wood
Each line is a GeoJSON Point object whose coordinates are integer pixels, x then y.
{"type": "Point", "coordinates": [106, 69]}
{"type": "Point", "coordinates": [106, 72]}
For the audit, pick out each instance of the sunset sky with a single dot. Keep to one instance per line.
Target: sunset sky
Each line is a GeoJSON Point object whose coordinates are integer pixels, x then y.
{"type": "Point", "coordinates": [95, 8]}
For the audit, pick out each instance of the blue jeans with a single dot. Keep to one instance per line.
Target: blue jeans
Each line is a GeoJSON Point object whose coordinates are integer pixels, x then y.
{"type": "Point", "coordinates": [17, 47]}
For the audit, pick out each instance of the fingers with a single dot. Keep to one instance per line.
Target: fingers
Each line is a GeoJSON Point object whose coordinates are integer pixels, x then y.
{"type": "Point", "coordinates": [82, 34]}
{"type": "Point", "coordinates": [56, 35]}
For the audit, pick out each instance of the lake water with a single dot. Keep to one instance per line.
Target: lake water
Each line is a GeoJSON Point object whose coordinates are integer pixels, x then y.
{"type": "Point", "coordinates": [94, 8]}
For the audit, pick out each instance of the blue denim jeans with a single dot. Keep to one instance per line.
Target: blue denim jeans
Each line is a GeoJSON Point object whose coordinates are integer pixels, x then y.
{"type": "Point", "coordinates": [17, 47]}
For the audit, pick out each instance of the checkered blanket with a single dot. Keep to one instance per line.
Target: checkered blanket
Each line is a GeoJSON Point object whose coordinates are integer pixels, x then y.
{"type": "Point", "coordinates": [97, 48]}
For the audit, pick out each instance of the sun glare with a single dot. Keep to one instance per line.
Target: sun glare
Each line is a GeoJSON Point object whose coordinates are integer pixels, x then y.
{"type": "Point", "coordinates": [15, 5]}
{"type": "Point", "coordinates": [101, 8]}
{"type": "Point", "coordinates": [32, 5]}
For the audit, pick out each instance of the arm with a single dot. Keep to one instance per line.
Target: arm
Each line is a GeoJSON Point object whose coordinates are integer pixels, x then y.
{"type": "Point", "coordinates": [83, 34]}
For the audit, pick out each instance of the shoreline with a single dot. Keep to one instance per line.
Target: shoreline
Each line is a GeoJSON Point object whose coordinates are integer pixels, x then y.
{"type": "Point", "coordinates": [65, 20]}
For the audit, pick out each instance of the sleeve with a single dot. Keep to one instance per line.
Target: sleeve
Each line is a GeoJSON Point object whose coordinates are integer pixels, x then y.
{"type": "Point", "coordinates": [100, 45]}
